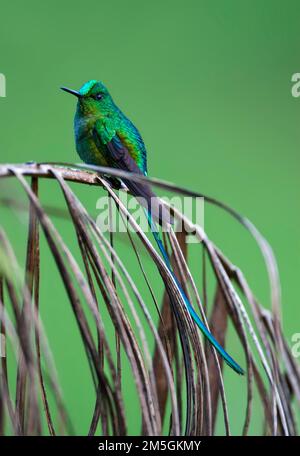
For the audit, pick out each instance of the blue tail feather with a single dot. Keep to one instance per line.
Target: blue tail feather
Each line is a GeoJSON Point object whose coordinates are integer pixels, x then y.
{"type": "Point", "coordinates": [227, 358]}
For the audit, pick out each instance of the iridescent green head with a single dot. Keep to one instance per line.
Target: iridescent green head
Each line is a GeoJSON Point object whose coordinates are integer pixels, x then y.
{"type": "Point", "coordinates": [93, 98]}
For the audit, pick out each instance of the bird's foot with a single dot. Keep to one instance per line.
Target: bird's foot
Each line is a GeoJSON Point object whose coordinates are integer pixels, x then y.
{"type": "Point", "coordinates": [114, 182]}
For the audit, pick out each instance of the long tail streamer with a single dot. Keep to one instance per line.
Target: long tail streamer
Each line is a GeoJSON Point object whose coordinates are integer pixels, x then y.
{"type": "Point", "coordinates": [227, 358]}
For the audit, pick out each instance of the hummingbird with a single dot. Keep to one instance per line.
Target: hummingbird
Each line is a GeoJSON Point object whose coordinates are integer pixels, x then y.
{"type": "Point", "coordinates": [104, 136]}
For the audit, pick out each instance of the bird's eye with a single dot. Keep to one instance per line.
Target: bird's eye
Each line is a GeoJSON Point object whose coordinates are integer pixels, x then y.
{"type": "Point", "coordinates": [99, 96]}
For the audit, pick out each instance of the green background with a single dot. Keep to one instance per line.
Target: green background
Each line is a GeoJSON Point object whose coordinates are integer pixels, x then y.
{"type": "Point", "coordinates": [208, 83]}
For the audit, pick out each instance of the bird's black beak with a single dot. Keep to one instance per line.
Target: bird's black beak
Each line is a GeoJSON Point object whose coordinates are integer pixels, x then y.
{"type": "Point", "coordinates": [73, 92]}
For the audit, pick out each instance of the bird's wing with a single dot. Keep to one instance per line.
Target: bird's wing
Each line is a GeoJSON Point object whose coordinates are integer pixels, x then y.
{"type": "Point", "coordinates": [119, 157]}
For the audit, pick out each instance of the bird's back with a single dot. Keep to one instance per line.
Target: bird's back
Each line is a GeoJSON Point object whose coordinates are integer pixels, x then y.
{"type": "Point", "coordinates": [131, 138]}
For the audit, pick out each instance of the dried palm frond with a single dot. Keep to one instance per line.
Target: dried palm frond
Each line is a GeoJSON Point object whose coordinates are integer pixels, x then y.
{"type": "Point", "coordinates": [178, 379]}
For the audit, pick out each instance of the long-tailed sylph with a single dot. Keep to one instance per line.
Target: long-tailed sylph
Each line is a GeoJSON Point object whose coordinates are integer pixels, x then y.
{"type": "Point", "coordinates": [106, 137]}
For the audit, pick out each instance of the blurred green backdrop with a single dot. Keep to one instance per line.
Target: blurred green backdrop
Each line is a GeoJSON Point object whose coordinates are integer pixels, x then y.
{"type": "Point", "coordinates": [208, 83]}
